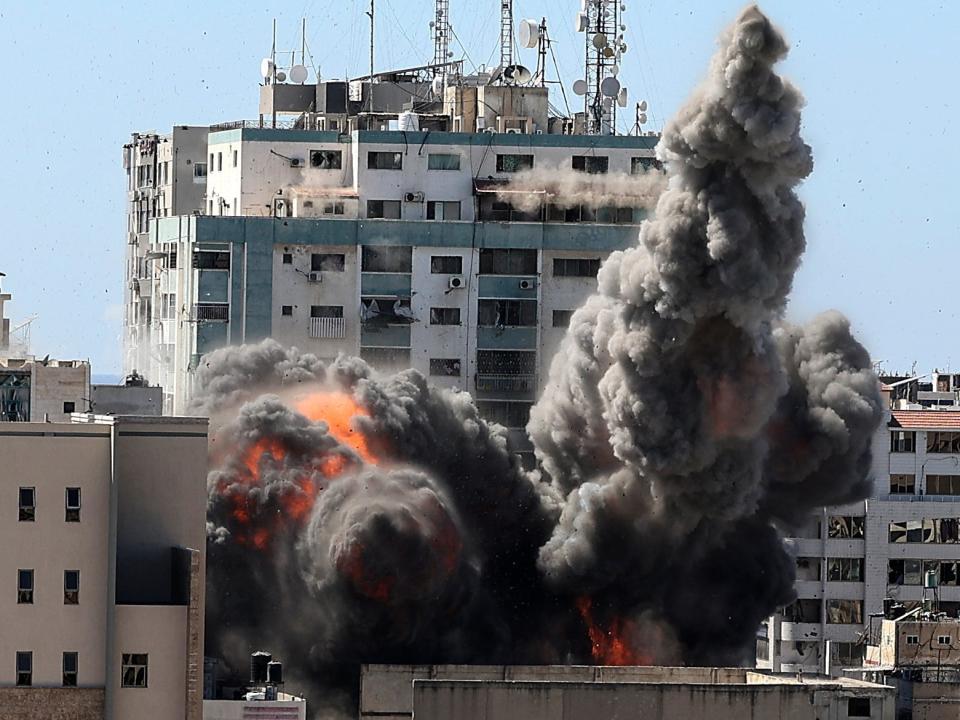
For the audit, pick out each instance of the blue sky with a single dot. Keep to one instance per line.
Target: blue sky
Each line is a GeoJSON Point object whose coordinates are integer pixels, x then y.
{"type": "Point", "coordinates": [879, 79]}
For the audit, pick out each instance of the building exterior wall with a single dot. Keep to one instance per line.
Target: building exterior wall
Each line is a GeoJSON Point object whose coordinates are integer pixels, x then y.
{"type": "Point", "coordinates": [126, 400]}
{"type": "Point", "coordinates": [51, 703]}
{"type": "Point", "coordinates": [260, 709]}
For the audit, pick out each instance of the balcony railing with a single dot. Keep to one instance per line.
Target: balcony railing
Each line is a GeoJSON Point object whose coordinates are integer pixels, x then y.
{"type": "Point", "coordinates": [327, 327]}
{"type": "Point", "coordinates": [505, 383]}
{"type": "Point", "coordinates": [215, 312]}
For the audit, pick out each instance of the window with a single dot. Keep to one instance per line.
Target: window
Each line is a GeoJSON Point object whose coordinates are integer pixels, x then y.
{"type": "Point", "coordinates": [211, 162]}
{"type": "Point", "coordinates": [592, 164]}
{"type": "Point", "coordinates": [288, 259]}
{"type": "Point", "coordinates": [848, 653]}
{"type": "Point", "coordinates": [929, 530]}
{"type": "Point", "coordinates": [333, 208]}
{"type": "Point", "coordinates": [446, 210]}
{"type": "Point", "coordinates": [326, 159]}
{"type": "Point", "coordinates": [70, 669]}
{"type": "Point", "coordinates": [640, 165]}
{"type": "Point", "coordinates": [25, 587]}
{"type": "Point", "coordinates": [24, 668]}
{"type": "Point", "coordinates": [328, 262]}
{"type": "Point", "coordinates": [199, 171]}
{"type": "Point", "coordinates": [943, 640]}
{"type": "Point", "coordinates": [219, 161]}
{"type": "Point", "coordinates": [444, 316]}
{"type": "Point", "coordinates": [561, 318]}
{"type": "Point", "coordinates": [845, 526]}
{"type": "Point", "coordinates": [576, 267]}
{"type": "Point", "coordinates": [943, 484]}
{"type": "Point", "coordinates": [902, 484]}
{"type": "Point", "coordinates": [845, 569]}
{"type": "Point", "coordinates": [508, 414]}
{"type": "Point", "coordinates": [386, 209]}
{"type": "Point", "coordinates": [507, 313]}
{"type": "Point", "coordinates": [133, 672]}
{"type": "Point", "coordinates": [950, 573]}
{"type": "Point", "coordinates": [446, 264]}
{"type": "Point", "coordinates": [845, 612]}
{"type": "Point", "coordinates": [326, 311]}
{"type": "Point", "coordinates": [506, 362]}
{"type": "Point", "coordinates": [28, 504]}
{"type": "Point", "coordinates": [286, 310]}
{"type": "Point", "coordinates": [72, 504]}
{"type": "Point", "coordinates": [386, 258]}
{"type": "Point", "coordinates": [211, 260]}
{"type": "Point", "coordinates": [443, 161]}
{"type": "Point", "coordinates": [802, 611]}
{"type": "Point", "coordinates": [913, 639]}
{"type": "Point", "coordinates": [384, 161]}
{"type": "Point", "coordinates": [71, 587]}
{"type": "Point", "coordinates": [386, 358]}
{"type": "Point", "coordinates": [445, 367]}
{"type": "Point", "coordinates": [943, 442]}
{"type": "Point", "coordinates": [514, 163]}
{"type": "Point", "coordinates": [508, 262]}
{"type": "Point", "coordinates": [69, 407]}
{"type": "Point", "coordinates": [211, 312]}
{"type": "Point", "coordinates": [858, 707]}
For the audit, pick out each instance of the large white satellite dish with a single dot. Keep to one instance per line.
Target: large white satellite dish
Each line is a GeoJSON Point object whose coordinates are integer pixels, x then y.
{"type": "Point", "coordinates": [609, 87]}
{"type": "Point", "coordinates": [266, 68]}
{"type": "Point", "coordinates": [622, 97]}
{"type": "Point", "coordinates": [580, 87]}
{"type": "Point", "coordinates": [298, 74]}
{"type": "Point", "coordinates": [529, 33]}
{"type": "Point", "coordinates": [581, 23]}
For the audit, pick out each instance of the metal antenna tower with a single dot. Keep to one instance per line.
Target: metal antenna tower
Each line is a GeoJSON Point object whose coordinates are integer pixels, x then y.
{"type": "Point", "coordinates": [506, 33]}
{"type": "Point", "coordinates": [441, 36]}
{"type": "Point", "coordinates": [600, 21]}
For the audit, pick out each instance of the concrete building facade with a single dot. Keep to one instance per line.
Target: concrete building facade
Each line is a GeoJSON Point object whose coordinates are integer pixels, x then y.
{"type": "Point", "coordinates": [105, 539]}
{"type": "Point", "coordinates": [902, 545]}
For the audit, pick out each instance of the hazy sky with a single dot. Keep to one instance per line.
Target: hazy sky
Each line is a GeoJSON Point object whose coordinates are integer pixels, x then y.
{"type": "Point", "coordinates": [879, 78]}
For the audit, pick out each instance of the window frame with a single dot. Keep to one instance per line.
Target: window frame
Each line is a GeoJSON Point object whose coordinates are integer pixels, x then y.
{"type": "Point", "coordinates": [446, 367]}
{"type": "Point", "coordinates": [71, 511]}
{"type": "Point", "coordinates": [519, 162]}
{"type": "Point", "coordinates": [25, 592]}
{"type": "Point", "coordinates": [590, 164]}
{"type": "Point", "coordinates": [319, 311]}
{"type": "Point", "coordinates": [28, 672]}
{"type": "Point", "coordinates": [325, 154]}
{"type": "Point", "coordinates": [376, 158]}
{"type": "Point", "coordinates": [27, 513]}
{"type": "Point", "coordinates": [286, 311]}
{"type": "Point", "coordinates": [431, 156]}
{"type": "Point", "coordinates": [70, 676]}
{"type": "Point", "coordinates": [71, 595]}
{"type": "Point", "coordinates": [437, 263]}
{"type": "Point", "coordinates": [444, 316]}
{"type": "Point", "coordinates": [128, 664]}
{"type": "Point", "coordinates": [328, 262]}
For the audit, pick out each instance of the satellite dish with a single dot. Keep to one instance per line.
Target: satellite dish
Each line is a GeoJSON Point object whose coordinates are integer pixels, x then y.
{"type": "Point", "coordinates": [609, 87]}
{"type": "Point", "coordinates": [266, 68]}
{"type": "Point", "coordinates": [642, 118]}
{"type": "Point", "coordinates": [614, 70]}
{"type": "Point", "coordinates": [599, 40]}
{"type": "Point", "coordinates": [608, 52]}
{"type": "Point", "coordinates": [436, 86]}
{"type": "Point", "coordinates": [529, 33]}
{"type": "Point", "coordinates": [298, 73]}
{"type": "Point", "coordinates": [517, 74]}
{"type": "Point", "coordinates": [281, 76]}
{"type": "Point", "coordinates": [580, 87]}
{"type": "Point", "coordinates": [581, 23]}
{"type": "Point", "coordinates": [623, 49]}
{"type": "Point", "coordinates": [642, 106]}
{"type": "Point", "coordinates": [622, 97]}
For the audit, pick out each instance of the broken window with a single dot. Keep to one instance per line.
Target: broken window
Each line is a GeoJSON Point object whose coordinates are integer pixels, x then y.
{"type": "Point", "coordinates": [507, 313]}
{"type": "Point", "coordinates": [510, 163]}
{"type": "Point", "coordinates": [845, 569]}
{"type": "Point", "coordinates": [845, 526]}
{"type": "Point", "coordinates": [445, 367]}
{"type": "Point", "coordinates": [384, 161]}
{"type": "Point", "coordinates": [133, 670]}
{"type": "Point", "coordinates": [844, 612]}
{"type": "Point", "coordinates": [508, 414]}
{"type": "Point", "coordinates": [334, 207]}
{"type": "Point", "coordinates": [72, 504]}
{"type": "Point", "coordinates": [383, 209]}
{"type": "Point", "coordinates": [326, 159]}
{"type": "Point", "coordinates": [508, 262]}
{"type": "Point", "coordinates": [591, 164]}
{"type": "Point", "coordinates": [71, 587]}
{"type": "Point", "coordinates": [28, 504]}
{"type": "Point", "coordinates": [386, 258]}
{"type": "Point", "coordinates": [211, 260]}
{"type": "Point", "coordinates": [328, 262]}
{"type": "Point", "coordinates": [444, 316]}
{"type": "Point", "coordinates": [561, 318]}
{"type": "Point", "coordinates": [943, 442]}
{"type": "Point", "coordinates": [576, 267]}
{"type": "Point", "coordinates": [377, 311]}
{"type": "Point", "coordinates": [803, 610]}
{"type": "Point", "coordinates": [949, 572]}
{"type": "Point", "coordinates": [640, 165]}
{"type": "Point", "coordinates": [902, 484]}
{"type": "Point", "coordinates": [446, 264]}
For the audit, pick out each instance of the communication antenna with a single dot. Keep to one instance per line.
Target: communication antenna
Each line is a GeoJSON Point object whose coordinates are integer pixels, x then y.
{"type": "Point", "coordinates": [370, 14]}
{"type": "Point", "coordinates": [604, 42]}
{"type": "Point", "coordinates": [506, 33]}
{"type": "Point", "coordinates": [441, 36]}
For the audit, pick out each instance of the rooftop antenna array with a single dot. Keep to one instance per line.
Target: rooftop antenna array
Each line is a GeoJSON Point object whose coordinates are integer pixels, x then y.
{"type": "Point", "coordinates": [295, 72]}
{"type": "Point", "coordinates": [602, 92]}
{"type": "Point", "coordinates": [441, 36]}
{"type": "Point", "coordinates": [506, 33]}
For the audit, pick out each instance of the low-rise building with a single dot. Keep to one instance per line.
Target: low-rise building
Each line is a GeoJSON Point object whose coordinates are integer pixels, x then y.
{"type": "Point", "coordinates": [104, 534]}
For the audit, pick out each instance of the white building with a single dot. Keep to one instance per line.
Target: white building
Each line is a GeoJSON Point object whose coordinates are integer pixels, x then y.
{"type": "Point", "coordinates": [854, 558]}
{"type": "Point", "coordinates": [107, 550]}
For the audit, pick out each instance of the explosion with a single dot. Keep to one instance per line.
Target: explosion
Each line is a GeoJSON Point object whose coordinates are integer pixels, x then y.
{"type": "Point", "coordinates": [684, 426]}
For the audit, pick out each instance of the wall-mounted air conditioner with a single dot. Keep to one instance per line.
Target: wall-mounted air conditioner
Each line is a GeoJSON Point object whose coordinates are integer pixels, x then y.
{"type": "Point", "coordinates": [528, 284]}
{"type": "Point", "coordinates": [413, 197]}
{"type": "Point", "coordinates": [296, 162]}
{"type": "Point", "coordinates": [315, 277]}
{"type": "Point", "coordinates": [455, 282]}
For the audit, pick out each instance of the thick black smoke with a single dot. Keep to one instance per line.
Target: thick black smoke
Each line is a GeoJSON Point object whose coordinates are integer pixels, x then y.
{"type": "Point", "coordinates": [684, 425]}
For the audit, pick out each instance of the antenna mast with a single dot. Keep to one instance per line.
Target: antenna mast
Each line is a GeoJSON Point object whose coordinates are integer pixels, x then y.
{"type": "Point", "coordinates": [441, 36]}
{"type": "Point", "coordinates": [506, 33]}
{"type": "Point", "coordinates": [370, 13]}
{"type": "Point", "coordinates": [600, 21]}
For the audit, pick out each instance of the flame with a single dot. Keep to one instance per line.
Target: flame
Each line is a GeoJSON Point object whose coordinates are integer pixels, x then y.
{"type": "Point", "coordinates": [351, 566]}
{"type": "Point", "coordinates": [337, 410]}
{"type": "Point", "coordinates": [610, 646]}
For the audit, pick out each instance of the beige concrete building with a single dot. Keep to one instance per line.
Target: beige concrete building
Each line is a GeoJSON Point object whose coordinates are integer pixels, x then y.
{"type": "Point", "coordinates": [467, 692]}
{"type": "Point", "coordinates": [104, 536]}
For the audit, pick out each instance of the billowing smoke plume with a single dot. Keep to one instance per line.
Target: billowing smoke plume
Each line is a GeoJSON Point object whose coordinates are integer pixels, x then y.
{"type": "Point", "coordinates": [684, 425]}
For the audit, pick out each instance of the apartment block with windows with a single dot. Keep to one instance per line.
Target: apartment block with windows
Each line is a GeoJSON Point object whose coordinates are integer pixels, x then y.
{"type": "Point", "coordinates": [900, 546]}
{"type": "Point", "coordinates": [103, 530]}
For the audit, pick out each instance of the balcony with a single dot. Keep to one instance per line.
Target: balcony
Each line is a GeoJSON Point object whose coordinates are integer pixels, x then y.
{"type": "Point", "coordinates": [506, 383]}
{"type": "Point", "coordinates": [327, 328]}
{"type": "Point", "coordinates": [211, 312]}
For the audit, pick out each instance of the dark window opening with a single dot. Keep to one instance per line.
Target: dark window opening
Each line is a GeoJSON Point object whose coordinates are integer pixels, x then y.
{"type": "Point", "coordinates": [327, 262]}
{"type": "Point", "coordinates": [444, 316]}
{"type": "Point", "coordinates": [72, 504]}
{"type": "Point", "coordinates": [903, 442]}
{"type": "Point", "coordinates": [326, 311]}
{"type": "Point", "coordinates": [286, 310]}
{"type": "Point", "coordinates": [133, 670]}
{"type": "Point", "coordinates": [386, 258]}
{"type": "Point", "coordinates": [384, 161]}
{"type": "Point", "coordinates": [561, 318]}
{"type": "Point", "coordinates": [514, 163]}
{"type": "Point", "coordinates": [69, 407]}
{"type": "Point", "coordinates": [28, 504]}
{"type": "Point", "coordinates": [71, 587]}
{"type": "Point", "coordinates": [576, 267]}
{"type": "Point", "coordinates": [446, 264]}
{"type": "Point", "coordinates": [506, 362]}
{"type": "Point", "coordinates": [383, 209]}
{"type": "Point", "coordinates": [592, 164]}
{"type": "Point", "coordinates": [507, 313]}
{"type": "Point", "coordinates": [24, 669]}
{"type": "Point", "coordinates": [25, 587]}
{"type": "Point", "coordinates": [326, 159]}
{"type": "Point", "coordinates": [508, 262]}
{"type": "Point", "coordinates": [845, 526]}
{"type": "Point", "coordinates": [445, 367]}
{"type": "Point", "coordinates": [639, 165]}
{"type": "Point", "coordinates": [288, 259]}
{"type": "Point", "coordinates": [70, 663]}
{"type": "Point", "coordinates": [858, 707]}
{"type": "Point", "coordinates": [209, 260]}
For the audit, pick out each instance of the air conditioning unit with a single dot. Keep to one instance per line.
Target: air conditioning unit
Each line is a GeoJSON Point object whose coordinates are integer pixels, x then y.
{"type": "Point", "coordinates": [455, 282]}
{"type": "Point", "coordinates": [315, 277]}
{"type": "Point", "coordinates": [296, 162]}
{"type": "Point", "coordinates": [413, 197]}
{"type": "Point", "coordinates": [513, 131]}
{"type": "Point", "coordinates": [528, 284]}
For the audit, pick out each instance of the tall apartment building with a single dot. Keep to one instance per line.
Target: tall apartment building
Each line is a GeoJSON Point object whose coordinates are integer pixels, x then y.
{"type": "Point", "coordinates": [395, 234]}
{"type": "Point", "coordinates": [103, 532]}
{"type": "Point", "coordinates": [902, 545]}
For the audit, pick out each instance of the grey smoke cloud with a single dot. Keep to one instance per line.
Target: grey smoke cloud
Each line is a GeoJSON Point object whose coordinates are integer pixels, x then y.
{"type": "Point", "coordinates": [682, 425]}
